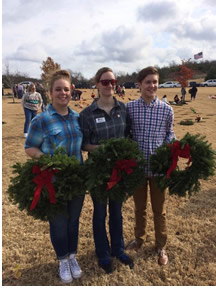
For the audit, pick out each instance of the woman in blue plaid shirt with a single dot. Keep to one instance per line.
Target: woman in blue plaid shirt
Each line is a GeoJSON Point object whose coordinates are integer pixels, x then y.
{"type": "Point", "coordinates": [58, 127]}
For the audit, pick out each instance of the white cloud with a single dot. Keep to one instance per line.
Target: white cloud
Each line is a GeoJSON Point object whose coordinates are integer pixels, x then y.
{"type": "Point", "coordinates": [83, 35]}
{"type": "Point", "coordinates": [157, 11]}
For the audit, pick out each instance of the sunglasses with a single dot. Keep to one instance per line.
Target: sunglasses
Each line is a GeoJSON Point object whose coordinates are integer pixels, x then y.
{"type": "Point", "coordinates": [107, 82]}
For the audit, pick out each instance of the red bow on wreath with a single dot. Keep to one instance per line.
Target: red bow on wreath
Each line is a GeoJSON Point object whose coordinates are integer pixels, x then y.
{"type": "Point", "coordinates": [43, 177]}
{"type": "Point", "coordinates": [177, 151]}
{"type": "Point", "coordinates": [116, 172]}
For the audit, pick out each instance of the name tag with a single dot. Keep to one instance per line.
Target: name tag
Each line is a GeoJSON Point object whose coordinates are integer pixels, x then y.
{"type": "Point", "coordinates": [100, 120]}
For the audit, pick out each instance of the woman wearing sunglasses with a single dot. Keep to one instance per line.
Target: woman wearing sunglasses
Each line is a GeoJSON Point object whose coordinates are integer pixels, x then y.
{"type": "Point", "coordinates": [106, 118]}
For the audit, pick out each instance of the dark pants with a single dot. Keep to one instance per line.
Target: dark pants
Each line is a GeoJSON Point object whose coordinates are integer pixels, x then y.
{"type": "Point", "coordinates": [20, 94]}
{"type": "Point", "coordinates": [115, 229]}
{"type": "Point", "coordinates": [29, 115]}
{"type": "Point", "coordinates": [64, 231]}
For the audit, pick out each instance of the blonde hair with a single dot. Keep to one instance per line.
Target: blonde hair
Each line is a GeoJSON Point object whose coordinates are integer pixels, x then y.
{"type": "Point", "coordinates": [59, 74]}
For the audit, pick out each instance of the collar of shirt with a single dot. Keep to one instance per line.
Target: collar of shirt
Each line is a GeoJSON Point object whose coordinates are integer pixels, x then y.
{"type": "Point", "coordinates": [94, 105]}
{"type": "Point", "coordinates": [53, 111]}
{"type": "Point", "coordinates": [151, 104]}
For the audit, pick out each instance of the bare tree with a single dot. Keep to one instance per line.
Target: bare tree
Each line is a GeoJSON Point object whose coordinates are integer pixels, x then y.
{"type": "Point", "coordinates": [9, 78]}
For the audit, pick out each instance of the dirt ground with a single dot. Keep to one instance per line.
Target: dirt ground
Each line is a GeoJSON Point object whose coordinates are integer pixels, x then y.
{"type": "Point", "coordinates": [29, 259]}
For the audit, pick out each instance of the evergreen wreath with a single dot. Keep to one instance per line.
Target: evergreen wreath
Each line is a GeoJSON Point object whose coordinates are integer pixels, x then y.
{"type": "Point", "coordinates": [114, 170]}
{"type": "Point", "coordinates": [201, 164]}
{"type": "Point", "coordinates": [43, 186]}
{"type": "Point", "coordinates": [186, 122]}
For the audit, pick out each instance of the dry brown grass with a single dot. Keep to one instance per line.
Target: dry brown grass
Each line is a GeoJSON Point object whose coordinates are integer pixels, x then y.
{"type": "Point", "coordinates": [28, 257]}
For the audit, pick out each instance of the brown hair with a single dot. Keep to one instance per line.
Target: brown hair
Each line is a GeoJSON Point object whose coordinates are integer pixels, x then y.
{"type": "Point", "coordinates": [100, 72]}
{"type": "Point", "coordinates": [57, 75]}
{"type": "Point", "coordinates": [31, 86]}
{"type": "Point", "coordinates": [145, 72]}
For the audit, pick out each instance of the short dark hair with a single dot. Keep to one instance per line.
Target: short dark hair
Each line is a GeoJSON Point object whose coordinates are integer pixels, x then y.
{"type": "Point", "coordinates": [145, 72]}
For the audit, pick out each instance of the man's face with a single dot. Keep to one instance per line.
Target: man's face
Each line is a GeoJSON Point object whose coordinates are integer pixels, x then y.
{"type": "Point", "coordinates": [149, 86]}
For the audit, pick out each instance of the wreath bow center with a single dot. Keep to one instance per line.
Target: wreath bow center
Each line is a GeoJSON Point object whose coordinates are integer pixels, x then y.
{"type": "Point", "coordinates": [177, 152]}
{"type": "Point", "coordinates": [43, 177]}
{"type": "Point", "coordinates": [121, 165]}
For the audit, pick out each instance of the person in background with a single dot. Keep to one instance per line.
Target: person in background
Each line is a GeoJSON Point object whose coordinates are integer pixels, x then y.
{"type": "Point", "coordinates": [15, 92]}
{"type": "Point", "coordinates": [93, 95]}
{"type": "Point", "coordinates": [193, 92]}
{"type": "Point", "coordinates": [123, 90]}
{"type": "Point", "coordinates": [176, 99]}
{"type": "Point", "coordinates": [31, 102]}
{"type": "Point", "coordinates": [20, 91]}
{"type": "Point", "coordinates": [57, 127]}
{"type": "Point", "coordinates": [152, 125]}
{"type": "Point", "coordinates": [106, 118]}
{"type": "Point", "coordinates": [183, 93]}
{"type": "Point", "coordinates": [164, 99]}
{"type": "Point", "coordinates": [40, 89]}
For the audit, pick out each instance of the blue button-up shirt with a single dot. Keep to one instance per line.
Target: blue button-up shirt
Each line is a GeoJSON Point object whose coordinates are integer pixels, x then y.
{"type": "Point", "coordinates": [50, 130]}
{"type": "Point", "coordinates": [152, 125]}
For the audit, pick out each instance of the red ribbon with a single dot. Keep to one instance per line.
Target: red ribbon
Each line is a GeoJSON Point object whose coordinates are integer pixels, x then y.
{"type": "Point", "coordinates": [43, 177]}
{"type": "Point", "coordinates": [177, 151]}
{"type": "Point", "coordinates": [116, 172]}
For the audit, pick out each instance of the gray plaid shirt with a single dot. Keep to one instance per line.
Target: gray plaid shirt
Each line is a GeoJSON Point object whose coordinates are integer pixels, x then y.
{"type": "Point", "coordinates": [97, 125]}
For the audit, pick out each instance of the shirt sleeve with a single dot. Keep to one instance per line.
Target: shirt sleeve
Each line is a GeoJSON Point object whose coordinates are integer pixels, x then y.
{"type": "Point", "coordinates": [23, 100]}
{"type": "Point", "coordinates": [128, 130]}
{"type": "Point", "coordinates": [83, 121]}
{"type": "Point", "coordinates": [35, 134]}
{"type": "Point", "coordinates": [170, 133]}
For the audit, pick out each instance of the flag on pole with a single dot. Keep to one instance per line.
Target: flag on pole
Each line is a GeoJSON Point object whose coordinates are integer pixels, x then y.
{"type": "Point", "coordinates": [198, 55]}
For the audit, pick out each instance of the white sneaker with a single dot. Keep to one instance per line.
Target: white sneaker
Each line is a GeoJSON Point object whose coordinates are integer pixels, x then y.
{"type": "Point", "coordinates": [74, 266]}
{"type": "Point", "coordinates": [64, 271]}
{"type": "Point", "coordinates": [25, 135]}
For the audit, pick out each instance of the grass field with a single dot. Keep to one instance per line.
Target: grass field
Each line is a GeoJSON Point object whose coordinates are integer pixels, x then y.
{"type": "Point", "coordinates": [28, 258]}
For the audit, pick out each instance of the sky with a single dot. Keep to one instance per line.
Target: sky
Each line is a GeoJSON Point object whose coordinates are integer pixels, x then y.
{"type": "Point", "coordinates": [125, 35]}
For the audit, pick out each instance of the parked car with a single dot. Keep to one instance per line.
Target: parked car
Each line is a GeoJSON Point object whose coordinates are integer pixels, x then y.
{"type": "Point", "coordinates": [25, 83]}
{"type": "Point", "coordinates": [194, 83]}
{"type": "Point", "coordinates": [82, 85]}
{"type": "Point", "coordinates": [209, 83]}
{"type": "Point", "coordinates": [130, 85]}
{"type": "Point", "coordinates": [169, 84]}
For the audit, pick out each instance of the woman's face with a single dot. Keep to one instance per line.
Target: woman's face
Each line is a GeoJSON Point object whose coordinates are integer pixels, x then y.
{"type": "Point", "coordinates": [33, 88]}
{"type": "Point", "coordinates": [61, 93]}
{"type": "Point", "coordinates": [106, 88]}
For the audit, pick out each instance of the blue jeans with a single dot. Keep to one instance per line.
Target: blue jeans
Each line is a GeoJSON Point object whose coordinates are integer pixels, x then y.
{"type": "Point", "coordinates": [115, 229]}
{"type": "Point", "coordinates": [29, 115]}
{"type": "Point", "coordinates": [20, 94]}
{"type": "Point", "coordinates": [64, 230]}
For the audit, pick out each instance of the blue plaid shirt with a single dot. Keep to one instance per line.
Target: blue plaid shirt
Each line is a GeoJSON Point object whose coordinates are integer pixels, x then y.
{"type": "Point", "coordinates": [152, 125]}
{"type": "Point", "coordinates": [50, 130]}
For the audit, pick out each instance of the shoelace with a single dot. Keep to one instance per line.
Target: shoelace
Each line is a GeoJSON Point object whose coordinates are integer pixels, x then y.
{"type": "Point", "coordinates": [74, 264]}
{"type": "Point", "coordinates": [65, 267]}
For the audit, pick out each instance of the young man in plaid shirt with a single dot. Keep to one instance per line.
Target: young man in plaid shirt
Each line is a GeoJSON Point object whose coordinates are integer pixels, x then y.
{"type": "Point", "coordinates": [152, 125]}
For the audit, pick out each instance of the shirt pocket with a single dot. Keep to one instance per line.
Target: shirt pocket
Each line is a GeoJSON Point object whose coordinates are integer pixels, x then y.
{"type": "Point", "coordinates": [54, 138]}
